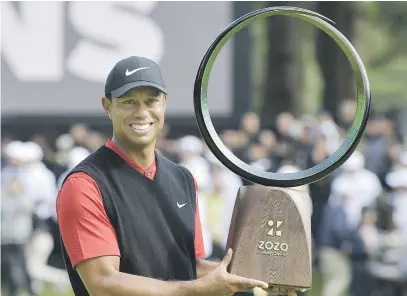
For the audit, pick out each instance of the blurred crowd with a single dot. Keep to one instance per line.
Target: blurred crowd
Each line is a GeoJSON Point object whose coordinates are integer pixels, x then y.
{"type": "Point", "coordinates": [358, 213]}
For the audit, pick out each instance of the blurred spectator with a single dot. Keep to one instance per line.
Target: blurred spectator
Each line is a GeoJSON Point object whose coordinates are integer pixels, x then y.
{"type": "Point", "coordinates": [377, 147]}
{"type": "Point", "coordinates": [397, 181]}
{"type": "Point", "coordinates": [387, 253]}
{"type": "Point", "coordinates": [250, 125]}
{"type": "Point", "coordinates": [346, 114]}
{"type": "Point", "coordinates": [40, 186]}
{"type": "Point", "coordinates": [17, 208]}
{"type": "Point", "coordinates": [79, 133]}
{"type": "Point", "coordinates": [402, 160]}
{"type": "Point", "coordinates": [319, 191]}
{"type": "Point", "coordinates": [237, 142]}
{"type": "Point", "coordinates": [269, 141]}
{"type": "Point", "coordinates": [346, 224]}
{"type": "Point", "coordinates": [361, 283]}
{"type": "Point", "coordinates": [166, 146]}
{"type": "Point", "coordinates": [64, 143]}
{"type": "Point", "coordinates": [361, 187]}
{"type": "Point", "coordinates": [288, 128]}
{"type": "Point", "coordinates": [4, 142]}
{"type": "Point", "coordinates": [191, 149]}
{"type": "Point", "coordinates": [39, 181]}
{"type": "Point", "coordinates": [330, 131]}
{"type": "Point", "coordinates": [288, 168]}
{"type": "Point", "coordinates": [49, 157]}
{"type": "Point", "coordinates": [94, 140]}
{"type": "Point", "coordinates": [74, 157]}
{"type": "Point", "coordinates": [226, 184]}
{"type": "Point", "coordinates": [259, 157]}
{"type": "Point", "coordinates": [305, 148]}
{"type": "Point", "coordinates": [335, 232]}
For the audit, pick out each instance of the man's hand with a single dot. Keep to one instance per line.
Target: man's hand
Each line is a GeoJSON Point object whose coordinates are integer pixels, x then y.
{"type": "Point", "coordinates": [204, 267]}
{"type": "Point", "coordinates": [278, 290]}
{"type": "Point", "coordinates": [102, 277]}
{"type": "Point", "coordinates": [220, 282]}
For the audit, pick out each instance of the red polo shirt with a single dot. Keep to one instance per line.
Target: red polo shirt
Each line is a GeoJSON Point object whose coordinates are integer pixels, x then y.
{"type": "Point", "coordinates": [83, 223]}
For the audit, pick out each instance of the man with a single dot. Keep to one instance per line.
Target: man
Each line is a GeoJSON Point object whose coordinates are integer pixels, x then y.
{"type": "Point", "coordinates": [361, 186]}
{"type": "Point", "coordinates": [190, 152]}
{"type": "Point", "coordinates": [40, 186]}
{"type": "Point", "coordinates": [128, 216]}
{"type": "Point", "coordinates": [17, 209]}
{"type": "Point", "coordinates": [334, 233]}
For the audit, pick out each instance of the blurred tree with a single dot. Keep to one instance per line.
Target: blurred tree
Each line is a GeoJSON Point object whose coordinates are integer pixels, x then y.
{"type": "Point", "coordinates": [283, 68]}
{"type": "Point", "coordinates": [337, 73]}
{"type": "Point", "coordinates": [393, 19]}
{"type": "Point", "coordinates": [287, 77]}
{"type": "Point", "coordinates": [382, 42]}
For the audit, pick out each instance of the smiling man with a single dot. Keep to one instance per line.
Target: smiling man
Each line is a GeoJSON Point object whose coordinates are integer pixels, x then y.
{"type": "Point", "coordinates": [128, 216]}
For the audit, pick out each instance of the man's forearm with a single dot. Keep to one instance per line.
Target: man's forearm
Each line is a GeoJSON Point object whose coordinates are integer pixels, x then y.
{"type": "Point", "coordinates": [122, 284]}
{"type": "Point", "coordinates": [203, 267]}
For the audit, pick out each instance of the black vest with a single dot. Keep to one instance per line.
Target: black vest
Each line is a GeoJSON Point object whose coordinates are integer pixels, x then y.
{"type": "Point", "coordinates": [155, 236]}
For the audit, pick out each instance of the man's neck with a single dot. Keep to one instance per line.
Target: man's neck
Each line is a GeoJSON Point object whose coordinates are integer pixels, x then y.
{"type": "Point", "coordinates": [143, 156]}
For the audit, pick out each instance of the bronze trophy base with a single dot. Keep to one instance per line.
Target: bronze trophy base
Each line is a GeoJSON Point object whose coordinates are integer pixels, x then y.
{"type": "Point", "coordinates": [270, 235]}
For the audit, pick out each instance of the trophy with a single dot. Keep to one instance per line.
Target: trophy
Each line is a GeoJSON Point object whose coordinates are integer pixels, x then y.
{"type": "Point", "coordinates": [270, 230]}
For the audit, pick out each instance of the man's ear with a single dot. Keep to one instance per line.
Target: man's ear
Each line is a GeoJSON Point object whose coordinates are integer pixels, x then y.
{"type": "Point", "coordinates": [165, 101]}
{"type": "Point", "coordinates": [107, 103]}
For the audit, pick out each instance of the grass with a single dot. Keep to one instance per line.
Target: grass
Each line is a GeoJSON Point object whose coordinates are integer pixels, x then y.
{"type": "Point", "coordinates": [48, 291]}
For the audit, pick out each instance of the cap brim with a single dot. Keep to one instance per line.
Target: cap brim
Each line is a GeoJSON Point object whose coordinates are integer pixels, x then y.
{"type": "Point", "coordinates": [129, 86]}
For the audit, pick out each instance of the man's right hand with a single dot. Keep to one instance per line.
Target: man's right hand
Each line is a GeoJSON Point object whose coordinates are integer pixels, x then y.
{"type": "Point", "coordinates": [102, 277]}
{"type": "Point", "coordinates": [221, 282]}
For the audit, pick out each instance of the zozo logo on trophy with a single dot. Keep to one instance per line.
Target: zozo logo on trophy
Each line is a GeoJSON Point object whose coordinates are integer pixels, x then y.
{"type": "Point", "coordinates": [273, 248]}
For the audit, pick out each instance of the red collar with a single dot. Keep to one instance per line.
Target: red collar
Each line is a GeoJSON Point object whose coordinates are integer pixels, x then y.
{"type": "Point", "coordinates": [149, 173]}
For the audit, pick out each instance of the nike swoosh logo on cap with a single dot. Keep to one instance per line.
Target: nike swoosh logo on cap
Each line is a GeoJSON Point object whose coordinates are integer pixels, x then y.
{"type": "Point", "coordinates": [128, 73]}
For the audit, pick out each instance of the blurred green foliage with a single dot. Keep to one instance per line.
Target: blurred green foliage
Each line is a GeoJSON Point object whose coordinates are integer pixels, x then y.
{"type": "Point", "coordinates": [380, 39]}
{"type": "Point", "coordinates": [382, 44]}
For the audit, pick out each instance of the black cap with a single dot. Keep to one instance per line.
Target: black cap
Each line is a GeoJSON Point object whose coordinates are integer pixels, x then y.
{"type": "Point", "coordinates": [133, 72]}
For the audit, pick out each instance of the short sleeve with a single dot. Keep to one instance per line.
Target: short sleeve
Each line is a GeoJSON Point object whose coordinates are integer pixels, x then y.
{"type": "Point", "coordinates": [84, 226]}
{"type": "Point", "coordinates": [199, 244]}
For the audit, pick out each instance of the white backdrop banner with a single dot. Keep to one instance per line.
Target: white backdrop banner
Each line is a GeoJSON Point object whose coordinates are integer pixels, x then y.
{"type": "Point", "coordinates": [55, 56]}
